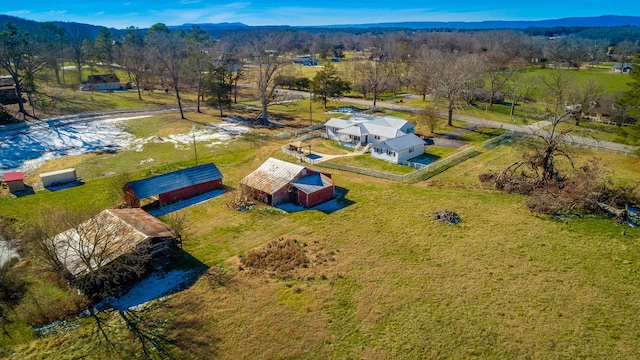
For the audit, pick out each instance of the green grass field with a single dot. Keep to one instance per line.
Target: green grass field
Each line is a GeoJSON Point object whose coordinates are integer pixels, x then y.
{"type": "Point", "coordinates": [503, 283]}
{"type": "Point", "coordinates": [387, 281]}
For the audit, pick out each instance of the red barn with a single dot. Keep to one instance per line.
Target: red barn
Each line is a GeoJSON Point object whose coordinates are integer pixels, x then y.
{"type": "Point", "coordinates": [276, 182]}
{"type": "Point", "coordinates": [174, 186]}
{"type": "Point", "coordinates": [15, 181]}
{"type": "Point", "coordinates": [314, 189]}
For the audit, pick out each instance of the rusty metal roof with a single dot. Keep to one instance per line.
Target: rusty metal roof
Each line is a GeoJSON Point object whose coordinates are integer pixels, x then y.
{"type": "Point", "coordinates": [105, 237]}
{"type": "Point", "coordinates": [273, 175]}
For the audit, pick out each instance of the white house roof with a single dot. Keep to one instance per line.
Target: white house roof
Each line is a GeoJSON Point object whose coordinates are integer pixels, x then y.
{"type": "Point", "coordinates": [381, 130]}
{"type": "Point", "coordinates": [338, 123]}
{"type": "Point", "coordinates": [356, 130]}
{"type": "Point", "coordinates": [272, 175]}
{"type": "Point", "coordinates": [401, 143]}
{"type": "Point", "coordinates": [390, 121]}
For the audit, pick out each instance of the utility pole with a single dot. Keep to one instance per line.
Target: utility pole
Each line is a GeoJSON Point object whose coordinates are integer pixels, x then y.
{"type": "Point", "coordinates": [310, 110]}
{"type": "Point", "coordinates": [195, 149]}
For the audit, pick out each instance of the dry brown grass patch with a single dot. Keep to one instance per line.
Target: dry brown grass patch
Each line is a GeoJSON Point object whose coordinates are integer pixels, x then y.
{"type": "Point", "coordinates": [278, 256]}
{"type": "Point", "coordinates": [285, 258]}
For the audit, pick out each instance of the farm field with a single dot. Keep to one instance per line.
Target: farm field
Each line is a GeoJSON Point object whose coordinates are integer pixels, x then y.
{"type": "Point", "coordinates": [385, 280]}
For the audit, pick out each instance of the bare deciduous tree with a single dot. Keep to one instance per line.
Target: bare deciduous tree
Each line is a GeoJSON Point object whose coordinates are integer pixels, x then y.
{"type": "Point", "coordinates": [451, 75]}
{"type": "Point", "coordinates": [266, 57]}
{"type": "Point", "coordinates": [373, 78]}
{"type": "Point", "coordinates": [133, 57]}
{"type": "Point", "coordinates": [170, 50]}
{"type": "Point", "coordinates": [518, 90]}
{"type": "Point", "coordinates": [84, 250]}
{"type": "Point", "coordinates": [499, 70]}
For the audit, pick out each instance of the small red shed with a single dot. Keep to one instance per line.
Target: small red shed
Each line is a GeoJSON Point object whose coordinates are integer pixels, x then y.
{"type": "Point", "coordinates": [314, 189]}
{"type": "Point", "coordinates": [15, 181]}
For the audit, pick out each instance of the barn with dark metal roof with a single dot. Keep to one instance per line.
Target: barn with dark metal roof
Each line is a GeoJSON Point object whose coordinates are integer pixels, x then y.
{"type": "Point", "coordinates": [174, 186]}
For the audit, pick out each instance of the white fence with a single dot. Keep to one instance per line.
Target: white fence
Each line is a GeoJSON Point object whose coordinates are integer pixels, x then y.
{"type": "Point", "coordinates": [505, 138]}
{"type": "Point", "coordinates": [441, 165]}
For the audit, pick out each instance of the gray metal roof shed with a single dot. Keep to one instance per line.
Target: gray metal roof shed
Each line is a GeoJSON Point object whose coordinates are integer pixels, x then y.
{"type": "Point", "coordinates": [312, 183]}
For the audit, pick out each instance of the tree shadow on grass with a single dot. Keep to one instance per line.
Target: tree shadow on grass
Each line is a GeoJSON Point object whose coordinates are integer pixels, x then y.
{"type": "Point", "coordinates": [338, 203]}
{"type": "Point", "coordinates": [149, 332]}
{"type": "Point", "coordinates": [156, 210]}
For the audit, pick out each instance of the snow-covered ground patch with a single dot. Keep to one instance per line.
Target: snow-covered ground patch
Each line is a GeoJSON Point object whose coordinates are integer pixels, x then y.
{"type": "Point", "coordinates": [7, 253]}
{"type": "Point", "coordinates": [27, 147]}
{"type": "Point", "coordinates": [155, 286]}
{"type": "Point", "coordinates": [211, 135]}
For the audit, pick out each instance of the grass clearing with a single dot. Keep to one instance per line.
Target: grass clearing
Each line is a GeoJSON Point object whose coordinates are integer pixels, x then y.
{"type": "Point", "coordinates": [503, 283]}
{"type": "Point", "coordinates": [365, 161]}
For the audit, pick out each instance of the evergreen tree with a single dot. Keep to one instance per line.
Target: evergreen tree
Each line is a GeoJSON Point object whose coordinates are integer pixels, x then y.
{"type": "Point", "coordinates": [217, 88]}
{"type": "Point", "coordinates": [327, 85]}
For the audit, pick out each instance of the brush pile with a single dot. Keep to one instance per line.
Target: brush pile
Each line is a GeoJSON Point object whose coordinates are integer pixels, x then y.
{"type": "Point", "coordinates": [446, 216]}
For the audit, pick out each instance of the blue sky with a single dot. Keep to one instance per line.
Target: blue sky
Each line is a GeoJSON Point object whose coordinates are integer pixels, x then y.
{"type": "Point", "coordinates": [144, 13]}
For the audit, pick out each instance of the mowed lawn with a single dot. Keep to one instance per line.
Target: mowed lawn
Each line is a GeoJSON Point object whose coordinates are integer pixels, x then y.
{"type": "Point", "coordinates": [394, 283]}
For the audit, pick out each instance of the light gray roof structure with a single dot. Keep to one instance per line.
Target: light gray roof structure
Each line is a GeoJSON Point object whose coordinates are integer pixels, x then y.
{"type": "Point", "coordinates": [312, 183]}
{"type": "Point", "coordinates": [338, 123]}
{"type": "Point", "coordinates": [381, 130]}
{"type": "Point", "coordinates": [356, 130]}
{"type": "Point", "coordinates": [362, 124]}
{"type": "Point", "coordinates": [402, 142]}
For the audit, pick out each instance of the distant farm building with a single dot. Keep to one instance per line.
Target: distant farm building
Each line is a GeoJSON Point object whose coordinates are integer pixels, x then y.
{"type": "Point", "coordinates": [15, 181]}
{"type": "Point", "coordinates": [174, 186]}
{"type": "Point", "coordinates": [113, 243]}
{"type": "Point", "coordinates": [622, 68]}
{"type": "Point", "coordinates": [8, 93]}
{"type": "Point", "coordinates": [277, 182]}
{"type": "Point", "coordinates": [104, 82]}
{"type": "Point", "coordinates": [59, 177]}
{"type": "Point", "coordinates": [305, 60]}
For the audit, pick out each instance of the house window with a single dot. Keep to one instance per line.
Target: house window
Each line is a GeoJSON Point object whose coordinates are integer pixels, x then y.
{"type": "Point", "coordinates": [379, 151]}
{"type": "Point", "coordinates": [410, 150]}
{"type": "Point", "coordinates": [391, 153]}
{"type": "Point", "coordinates": [377, 137]}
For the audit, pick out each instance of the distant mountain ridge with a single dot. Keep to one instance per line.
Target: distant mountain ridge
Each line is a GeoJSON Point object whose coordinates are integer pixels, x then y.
{"type": "Point", "coordinates": [598, 21]}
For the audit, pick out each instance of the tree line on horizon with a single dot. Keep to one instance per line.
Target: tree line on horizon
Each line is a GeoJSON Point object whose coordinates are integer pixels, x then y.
{"type": "Point", "coordinates": [452, 66]}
